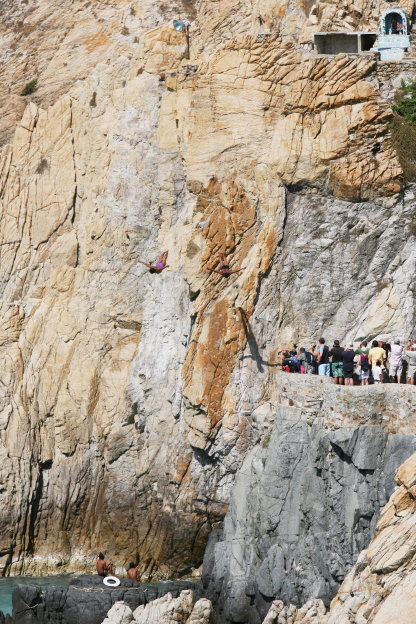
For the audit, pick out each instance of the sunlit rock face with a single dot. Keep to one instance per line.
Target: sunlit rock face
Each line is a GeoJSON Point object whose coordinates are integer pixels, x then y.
{"type": "Point", "coordinates": [58, 43]}
{"type": "Point", "coordinates": [129, 399]}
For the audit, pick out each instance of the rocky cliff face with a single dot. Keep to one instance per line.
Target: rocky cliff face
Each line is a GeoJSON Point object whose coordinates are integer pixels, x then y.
{"type": "Point", "coordinates": [129, 400]}
{"type": "Point", "coordinates": [381, 587]}
{"type": "Point", "coordinates": [88, 601]}
{"type": "Point", "coordinates": [58, 43]}
{"type": "Point", "coordinates": [307, 498]}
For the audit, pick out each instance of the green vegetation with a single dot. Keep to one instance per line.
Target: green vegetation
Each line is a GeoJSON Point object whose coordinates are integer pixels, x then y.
{"type": "Point", "coordinates": [403, 129]}
{"type": "Point", "coordinates": [30, 87]}
{"type": "Point", "coordinates": [406, 102]}
{"type": "Point", "coordinates": [403, 140]}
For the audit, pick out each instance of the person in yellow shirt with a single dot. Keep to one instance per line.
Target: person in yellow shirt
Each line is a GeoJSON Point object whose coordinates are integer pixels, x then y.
{"type": "Point", "coordinates": [376, 353]}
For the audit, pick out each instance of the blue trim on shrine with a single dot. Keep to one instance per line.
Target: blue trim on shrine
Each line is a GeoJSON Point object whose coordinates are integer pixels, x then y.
{"type": "Point", "coordinates": [393, 22]}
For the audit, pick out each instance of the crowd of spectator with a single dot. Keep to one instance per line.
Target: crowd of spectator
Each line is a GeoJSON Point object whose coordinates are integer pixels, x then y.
{"type": "Point", "coordinates": [382, 362]}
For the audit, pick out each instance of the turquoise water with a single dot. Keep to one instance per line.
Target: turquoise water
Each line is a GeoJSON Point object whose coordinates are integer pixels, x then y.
{"type": "Point", "coordinates": [8, 583]}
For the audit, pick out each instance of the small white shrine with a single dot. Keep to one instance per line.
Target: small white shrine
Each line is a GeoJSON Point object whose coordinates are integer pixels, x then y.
{"type": "Point", "coordinates": [393, 38]}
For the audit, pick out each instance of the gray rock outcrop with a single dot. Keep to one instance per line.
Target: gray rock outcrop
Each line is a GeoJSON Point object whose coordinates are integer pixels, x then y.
{"type": "Point", "coordinates": [87, 600]}
{"type": "Point", "coordinates": [313, 612]}
{"type": "Point", "coordinates": [166, 610]}
{"type": "Point", "coordinates": [307, 499]}
{"type": "Point", "coordinates": [120, 613]}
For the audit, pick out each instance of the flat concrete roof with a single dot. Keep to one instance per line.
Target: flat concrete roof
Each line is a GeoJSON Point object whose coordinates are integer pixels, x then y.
{"type": "Point", "coordinates": [365, 53]}
{"type": "Point", "coordinates": [340, 32]}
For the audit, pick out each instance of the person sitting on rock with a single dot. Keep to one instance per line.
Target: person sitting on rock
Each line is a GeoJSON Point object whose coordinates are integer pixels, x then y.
{"type": "Point", "coordinates": [132, 572]}
{"type": "Point", "coordinates": [160, 264]}
{"type": "Point", "coordinates": [224, 269]}
{"type": "Point", "coordinates": [103, 568]}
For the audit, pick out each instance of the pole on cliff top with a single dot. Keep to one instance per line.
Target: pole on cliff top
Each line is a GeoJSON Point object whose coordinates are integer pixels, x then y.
{"type": "Point", "coordinates": [183, 26]}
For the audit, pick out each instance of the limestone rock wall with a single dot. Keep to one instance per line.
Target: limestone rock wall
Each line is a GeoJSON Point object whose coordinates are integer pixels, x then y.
{"type": "Point", "coordinates": [307, 498]}
{"type": "Point", "coordinates": [129, 400]}
{"type": "Point", "coordinates": [381, 587]}
{"type": "Point", "coordinates": [58, 43]}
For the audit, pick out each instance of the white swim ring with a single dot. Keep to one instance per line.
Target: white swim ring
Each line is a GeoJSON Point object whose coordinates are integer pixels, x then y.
{"type": "Point", "coordinates": [111, 581]}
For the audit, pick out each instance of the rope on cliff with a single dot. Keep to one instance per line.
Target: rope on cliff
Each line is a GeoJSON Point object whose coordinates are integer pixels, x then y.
{"type": "Point", "coordinates": [102, 589]}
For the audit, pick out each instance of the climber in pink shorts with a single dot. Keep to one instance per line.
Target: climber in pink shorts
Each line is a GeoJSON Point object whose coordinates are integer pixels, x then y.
{"type": "Point", "coordinates": [159, 265]}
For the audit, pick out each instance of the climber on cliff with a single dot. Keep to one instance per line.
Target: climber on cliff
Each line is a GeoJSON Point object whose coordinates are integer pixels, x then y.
{"type": "Point", "coordinates": [160, 264]}
{"type": "Point", "coordinates": [224, 269]}
{"type": "Point", "coordinates": [103, 568]}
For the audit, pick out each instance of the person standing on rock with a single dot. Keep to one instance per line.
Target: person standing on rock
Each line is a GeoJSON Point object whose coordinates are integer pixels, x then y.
{"type": "Point", "coordinates": [362, 348]}
{"type": "Point", "coordinates": [312, 359]}
{"type": "Point", "coordinates": [348, 356]}
{"type": "Point", "coordinates": [364, 366]}
{"type": "Point", "coordinates": [337, 360]}
{"type": "Point", "coordinates": [396, 361]}
{"type": "Point", "coordinates": [302, 360]}
{"type": "Point", "coordinates": [323, 358]}
{"type": "Point", "coordinates": [103, 568]}
{"type": "Point", "coordinates": [378, 372]}
{"type": "Point", "coordinates": [376, 353]}
{"type": "Point", "coordinates": [387, 350]}
{"type": "Point", "coordinates": [411, 360]}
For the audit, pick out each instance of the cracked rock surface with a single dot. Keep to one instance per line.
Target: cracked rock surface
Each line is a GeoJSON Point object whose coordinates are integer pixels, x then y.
{"type": "Point", "coordinates": [307, 498]}
{"type": "Point", "coordinates": [381, 587]}
{"type": "Point", "coordinates": [128, 401]}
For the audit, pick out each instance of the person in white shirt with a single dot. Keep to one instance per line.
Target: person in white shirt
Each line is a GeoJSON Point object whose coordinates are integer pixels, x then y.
{"type": "Point", "coordinates": [396, 361]}
{"type": "Point", "coordinates": [377, 372]}
{"type": "Point", "coordinates": [411, 362]}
